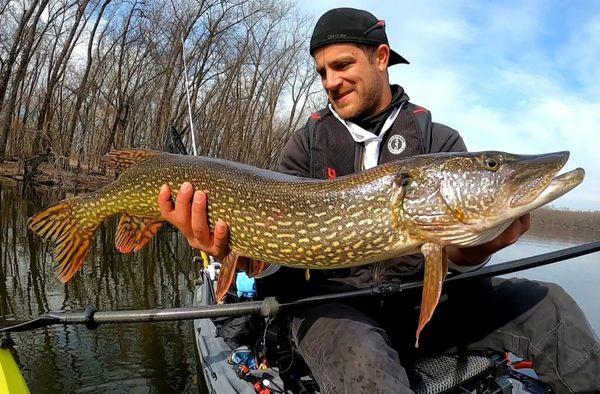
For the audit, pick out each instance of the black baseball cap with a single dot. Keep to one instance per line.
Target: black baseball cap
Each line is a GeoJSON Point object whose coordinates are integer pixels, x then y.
{"type": "Point", "coordinates": [354, 26]}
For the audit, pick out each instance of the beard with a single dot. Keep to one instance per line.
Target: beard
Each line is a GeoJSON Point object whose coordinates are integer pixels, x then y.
{"type": "Point", "coordinates": [365, 104]}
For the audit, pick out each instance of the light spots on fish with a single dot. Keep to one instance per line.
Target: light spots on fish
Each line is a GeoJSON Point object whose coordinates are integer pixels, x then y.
{"type": "Point", "coordinates": [340, 223]}
{"type": "Point", "coordinates": [349, 236]}
{"type": "Point", "coordinates": [283, 235]}
{"type": "Point", "coordinates": [333, 219]}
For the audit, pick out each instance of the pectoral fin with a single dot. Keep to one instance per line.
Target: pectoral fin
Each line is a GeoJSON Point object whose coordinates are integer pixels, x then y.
{"type": "Point", "coordinates": [133, 233]}
{"type": "Point", "coordinates": [226, 275]}
{"type": "Point", "coordinates": [231, 263]}
{"type": "Point", "coordinates": [436, 268]}
{"type": "Point", "coordinates": [250, 266]}
{"type": "Point", "coordinates": [255, 267]}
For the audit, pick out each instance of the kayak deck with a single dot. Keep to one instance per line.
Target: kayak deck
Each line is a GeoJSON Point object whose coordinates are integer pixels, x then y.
{"type": "Point", "coordinates": [212, 350]}
{"type": "Point", "coordinates": [437, 374]}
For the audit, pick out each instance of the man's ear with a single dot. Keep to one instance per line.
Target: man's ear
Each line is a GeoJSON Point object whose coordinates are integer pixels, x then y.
{"type": "Point", "coordinates": [382, 56]}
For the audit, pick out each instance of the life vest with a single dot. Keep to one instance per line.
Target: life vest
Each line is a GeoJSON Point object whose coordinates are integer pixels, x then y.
{"type": "Point", "coordinates": [333, 152]}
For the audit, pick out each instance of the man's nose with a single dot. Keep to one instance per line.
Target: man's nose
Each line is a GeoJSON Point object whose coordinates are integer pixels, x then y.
{"type": "Point", "coordinates": [332, 81]}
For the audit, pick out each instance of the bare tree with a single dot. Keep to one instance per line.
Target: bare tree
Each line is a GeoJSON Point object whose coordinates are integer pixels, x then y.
{"type": "Point", "coordinates": [23, 40]}
{"type": "Point", "coordinates": [81, 77]}
{"type": "Point", "coordinates": [82, 90]}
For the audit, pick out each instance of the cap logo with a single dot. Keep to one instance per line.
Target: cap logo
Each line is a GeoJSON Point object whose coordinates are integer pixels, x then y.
{"type": "Point", "coordinates": [380, 23]}
{"type": "Point", "coordinates": [396, 144]}
{"type": "Point", "coordinates": [336, 36]}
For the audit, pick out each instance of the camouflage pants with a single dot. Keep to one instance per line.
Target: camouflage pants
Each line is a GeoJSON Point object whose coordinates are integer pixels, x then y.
{"type": "Point", "coordinates": [356, 348]}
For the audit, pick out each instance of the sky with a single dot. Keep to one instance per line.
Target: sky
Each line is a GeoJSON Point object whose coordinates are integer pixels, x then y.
{"type": "Point", "coordinates": [515, 76]}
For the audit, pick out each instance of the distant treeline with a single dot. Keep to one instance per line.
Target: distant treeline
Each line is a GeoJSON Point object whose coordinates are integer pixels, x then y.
{"type": "Point", "coordinates": [79, 78]}
{"type": "Point", "coordinates": [551, 221]}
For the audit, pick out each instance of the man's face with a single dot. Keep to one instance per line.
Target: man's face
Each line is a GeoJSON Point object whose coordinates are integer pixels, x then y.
{"type": "Point", "coordinates": [352, 79]}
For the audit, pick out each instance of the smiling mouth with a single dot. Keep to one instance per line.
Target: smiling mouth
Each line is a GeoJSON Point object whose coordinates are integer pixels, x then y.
{"type": "Point", "coordinates": [338, 97]}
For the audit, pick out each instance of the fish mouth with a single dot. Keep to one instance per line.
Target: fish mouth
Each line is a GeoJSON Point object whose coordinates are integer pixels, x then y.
{"type": "Point", "coordinates": [561, 184]}
{"type": "Point", "coordinates": [538, 182]}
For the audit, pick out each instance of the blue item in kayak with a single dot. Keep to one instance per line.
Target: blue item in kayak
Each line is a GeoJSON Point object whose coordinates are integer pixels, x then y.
{"type": "Point", "coordinates": [243, 356]}
{"type": "Point", "coordinates": [246, 286]}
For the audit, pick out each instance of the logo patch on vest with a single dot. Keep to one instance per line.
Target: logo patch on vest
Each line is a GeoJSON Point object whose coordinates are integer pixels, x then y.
{"type": "Point", "coordinates": [396, 144]}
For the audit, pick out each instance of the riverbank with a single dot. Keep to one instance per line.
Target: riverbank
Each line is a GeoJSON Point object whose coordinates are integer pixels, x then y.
{"type": "Point", "coordinates": [11, 173]}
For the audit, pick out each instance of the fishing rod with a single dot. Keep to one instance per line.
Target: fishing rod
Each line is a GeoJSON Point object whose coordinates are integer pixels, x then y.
{"type": "Point", "coordinates": [269, 307]}
{"type": "Point", "coordinates": [388, 288]}
{"type": "Point", "coordinates": [187, 95]}
{"type": "Point", "coordinates": [205, 257]}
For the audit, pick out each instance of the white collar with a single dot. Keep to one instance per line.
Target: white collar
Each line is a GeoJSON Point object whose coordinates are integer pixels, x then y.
{"type": "Point", "coordinates": [361, 135]}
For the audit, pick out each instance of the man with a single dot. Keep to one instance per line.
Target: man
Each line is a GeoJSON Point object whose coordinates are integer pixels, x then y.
{"type": "Point", "coordinates": [348, 346]}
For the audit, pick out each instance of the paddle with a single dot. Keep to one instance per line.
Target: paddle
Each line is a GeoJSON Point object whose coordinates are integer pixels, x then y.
{"type": "Point", "coordinates": [270, 306]}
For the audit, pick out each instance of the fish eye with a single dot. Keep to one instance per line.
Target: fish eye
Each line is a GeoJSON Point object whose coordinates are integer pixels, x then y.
{"type": "Point", "coordinates": [491, 163]}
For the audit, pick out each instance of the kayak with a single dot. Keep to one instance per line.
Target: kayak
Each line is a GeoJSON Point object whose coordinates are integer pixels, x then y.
{"type": "Point", "coordinates": [212, 350]}
{"type": "Point", "coordinates": [11, 379]}
{"type": "Point", "coordinates": [249, 368]}
{"type": "Point", "coordinates": [225, 371]}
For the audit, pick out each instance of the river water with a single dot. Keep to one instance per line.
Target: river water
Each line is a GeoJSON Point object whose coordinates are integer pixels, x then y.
{"type": "Point", "coordinates": [153, 357]}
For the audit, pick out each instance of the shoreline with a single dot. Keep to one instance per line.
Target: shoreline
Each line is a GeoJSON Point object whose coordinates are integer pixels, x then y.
{"type": "Point", "coordinates": [11, 172]}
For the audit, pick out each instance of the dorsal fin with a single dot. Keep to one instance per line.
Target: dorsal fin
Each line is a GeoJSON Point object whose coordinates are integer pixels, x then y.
{"type": "Point", "coordinates": [121, 160]}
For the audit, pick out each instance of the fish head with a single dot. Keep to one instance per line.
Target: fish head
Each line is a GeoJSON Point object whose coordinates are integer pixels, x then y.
{"type": "Point", "coordinates": [467, 199]}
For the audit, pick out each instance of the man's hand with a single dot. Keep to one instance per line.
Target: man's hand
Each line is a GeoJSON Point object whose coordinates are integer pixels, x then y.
{"type": "Point", "coordinates": [190, 217]}
{"type": "Point", "coordinates": [477, 254]}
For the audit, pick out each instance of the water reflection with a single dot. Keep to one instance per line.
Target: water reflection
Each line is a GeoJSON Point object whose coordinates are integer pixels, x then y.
{"type": "Point", "coordinates": [113, 358]}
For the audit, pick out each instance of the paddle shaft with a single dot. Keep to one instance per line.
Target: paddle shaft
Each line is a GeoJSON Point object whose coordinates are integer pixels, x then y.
{"type": "Point", "coordinates": [166, 314]}
{"type": "Point", "coordinates": [485, 272]}
{"type": "Point", "coordinates": [270, 307]}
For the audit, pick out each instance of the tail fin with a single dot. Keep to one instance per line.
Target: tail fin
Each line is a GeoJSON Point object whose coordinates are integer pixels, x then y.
{"type": "Point", "coordinates": [70, 237]}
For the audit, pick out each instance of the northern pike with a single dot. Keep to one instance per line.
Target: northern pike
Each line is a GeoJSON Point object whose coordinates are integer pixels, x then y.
{"type": "Point", "coordinates": [420, 204]}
